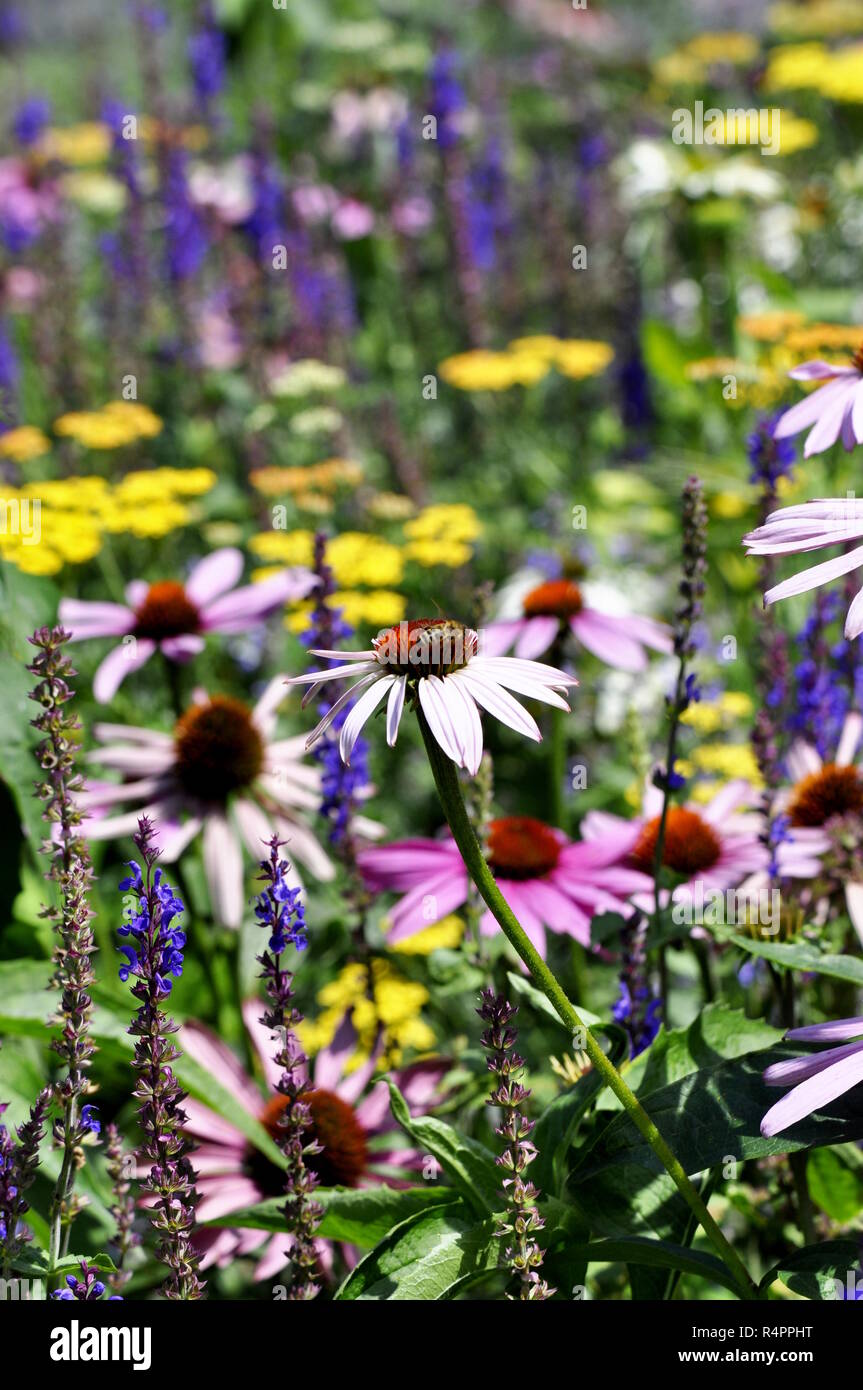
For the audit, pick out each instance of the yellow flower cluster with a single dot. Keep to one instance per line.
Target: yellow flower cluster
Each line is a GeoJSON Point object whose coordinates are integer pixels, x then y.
{"type": "Point", "coordinates": [690, 62]}
{"type": "Point", "coordinates": [392, 1003]}
{"type": "Point", "coordinates": [89, 142]}
{"type": "Point", "coordinates": [526, 361]}
{"type": "Point", "coordinates": [24, 443]}
{"type": "Point", "coordinates": [325, 477]}
{"type": "Point", "coordinates": [836, 74]}
{"type": "Point", "coordinates": [443, 935]}
{"type": "Point", "coordinates": [441, 535]}
{"type": "Point", "coordinates": [116, 424]}
{"type": "Point", "coordinates": [46, 525]}
{"type": "Point", "coordinates": [829, 18]}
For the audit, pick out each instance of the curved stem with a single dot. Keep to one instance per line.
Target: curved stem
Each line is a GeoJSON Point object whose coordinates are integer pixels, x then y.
{"type": "Point", "coordinates": [449, 791]}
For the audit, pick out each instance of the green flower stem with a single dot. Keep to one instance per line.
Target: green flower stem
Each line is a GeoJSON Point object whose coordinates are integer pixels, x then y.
{"type": "Point", "coordinates": [452, 801]}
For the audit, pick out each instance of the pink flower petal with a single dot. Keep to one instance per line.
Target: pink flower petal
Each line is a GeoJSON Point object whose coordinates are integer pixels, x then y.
{"type": "Point", "coordinates": [214, 575]}
{"type": "Point", "coordinates": [117, 665]}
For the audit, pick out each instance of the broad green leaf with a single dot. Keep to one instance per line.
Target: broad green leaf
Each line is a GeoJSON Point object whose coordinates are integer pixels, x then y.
{"type": "Point", "coordinates": [835, 1180]}
{"type": "Point", "coordinates": [657, 1254]}
{"type": "Point", "coordinates": [556, 1129]}
{"type": "Point", "coordinates": [827, 1272]}
{"type": "Point", "coordinates": [802, 955]}
{"type": "Point", "coordinates": [26, 602]}
{"type": "Point", "coordinates": [717, 1034]}
{"type": "Point", "coordinates": [431, 1256]}
{"type": "Point", "coordinates": [362, 1215]}
{"type": "Point", "coordinates": [470, 1167]}
{"type": "Point", "coordinates": [524, 987]}
{"type": "Point", "coordinates": [35, 1264]}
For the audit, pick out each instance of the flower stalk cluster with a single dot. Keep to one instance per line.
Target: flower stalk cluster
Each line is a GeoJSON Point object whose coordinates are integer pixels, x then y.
{"type": "Point", "coordinates": [120, 1165]}
{"type": "Point", "coordinates": [70, 870]}
{"type": "Point", "coordinates": [523, 1254]}
{"type": "Point", "coordinates": [280, 912]}
{"type": "Point", "coordinates": [85, 1287]}
{"type": "Point", "coordinates": [636, 1008]}
{"type": "Point", "coordinates": [18, 1163]}
{"type": "Point", "coordinates": [153, 950]}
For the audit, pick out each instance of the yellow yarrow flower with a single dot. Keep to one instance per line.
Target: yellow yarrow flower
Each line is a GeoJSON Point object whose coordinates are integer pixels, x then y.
{"type": "Point", "coordinates": [582, 357]}
{"type": "Point", "coordinates": [24, 443]}
{"type": "Point", "coordinates": [394, 1006]}
{"type": "Point", "coordinates": [493, 371]}
{"type": "Point", "coordinates": [443, 935]}
{"type": "Point", "coordinates": [89, 142]}
{"type": "Point", "coordinates": [708, 716]}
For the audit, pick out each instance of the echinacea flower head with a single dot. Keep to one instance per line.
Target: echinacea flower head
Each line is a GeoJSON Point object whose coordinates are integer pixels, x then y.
{"type": "Point", "coordinates": [558, 606]}
{"type": "Point", "coordinates": [436, 662]}
{"type": "Point", "coordinates": [173, 618]}
{"type": "Point", "coordinates": [819, 1078]}
{"type": "Point", "coordinates": [549, 881]}
{"type": "Point", "coordinates": [351, 1122]}
{"type": "Point", "coordinates": [834, 410]}
{"type": "Point", "coordinates": [814, 525]}
{"type": "Point", "coordinates": [221, 773]}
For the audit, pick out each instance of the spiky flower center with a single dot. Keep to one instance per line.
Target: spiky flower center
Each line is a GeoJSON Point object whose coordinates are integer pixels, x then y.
{"type": "Point", "coordinates": [218, 749]}
{"type": "Point", "coordinates": [557, 598]}
{"type": "Point", "coordinates": [520, 847]}
{"type": "Point", "coordinates": [690, 844]}
{"type": "Point", "coordinates": [167, 611]}
{"type": "Point", "coordinates": [344, 1156]}
{"type": "Point", "coordinates": [425, 647]}
{"type": "Point", "coordinates": [832, 791]}
{"type": "Point", "coordinates": [857, 359]}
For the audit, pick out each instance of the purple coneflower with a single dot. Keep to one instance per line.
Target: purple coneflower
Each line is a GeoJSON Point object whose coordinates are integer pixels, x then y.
{"type": "Point", "coordinates": [435, 661]}
{"type": "Point", "coordinates": [172, 618]}
{"type": "Point", "coordinates": [813, 525]}
{"type": "Point", "coordinates": [834, 410]}
{"type": "Point", "coordinates": [819, 1078]}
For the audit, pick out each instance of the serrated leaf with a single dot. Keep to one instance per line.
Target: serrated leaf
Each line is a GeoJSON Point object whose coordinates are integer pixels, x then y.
{"type": "Point", "coordinates": [431, 1256]}
{"type": "Point", "coordinates": [470, 1168]}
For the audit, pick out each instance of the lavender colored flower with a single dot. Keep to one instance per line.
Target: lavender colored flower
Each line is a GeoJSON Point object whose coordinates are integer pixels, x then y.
{"type": "Point", "coordinates": [29, 119]}
{"type": "Point", "coordinates": [446, 96]}
{"type": "Point", "coordinates": [280, 912]}
{"type": "Point", "coordinates": [19, 1159]}
{"type": "Point", "coordinates": [340, 785]}
{"type": "Point", "coordinates": [207, 50]}
{"type": "Point", "coordinates": [524, 1255]}
{"type": "Point", "coordinates": [769, 458]}
{"type": "Point", "coordinates": [71, 871]}
{"type": "Point", "coordinates": [9, 374]}
{"type": "Point", "coordinates": [85, 1287]}
{"type": "Point", "coordinates": [155, 957]}
{"type": "Point", "coordinates": [186, 241]}
{"type": "Point", "coordinates": [636, 1008]}
{"type": "Point", "coordinates": [488, 213]}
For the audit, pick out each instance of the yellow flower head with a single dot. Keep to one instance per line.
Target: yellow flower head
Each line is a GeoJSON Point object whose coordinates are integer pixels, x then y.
{"type": "Point", "coordinates": [390, 1003]}
{"type": "Point", "coordinates": [86, 143]}
{"type": "Point", "coordinates": [493, 371]}
{"type": "Point", "coordinates": [23, 444]}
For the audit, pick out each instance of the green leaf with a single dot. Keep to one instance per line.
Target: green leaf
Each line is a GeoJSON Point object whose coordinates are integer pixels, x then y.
{"type": "Point", "coordinates": [470, 1167]}
{"type": "Point", "coordinates": [657, 1254]}
{"type": "Point", "coordinates": [361, 1215]}
{"type": "Point", "coordinates": [431, 1256]}
{"type": "Point", "coordinates": [35, 1264]}
{"type": "Point", "coordinates": [819, 1272]}
{"type": "Point", "coordinates": [835, 1181]}
{"type": "Point", "coordinates": [556, 1129]}
{"type": "Point", "coordinates": [802, 955]}
{"type": "Point", "coordinates": [717, 1034]}
{"type": "Point", "coordinates": [527, 990]}
{"type": "Point", "coordinates": [26, 602]}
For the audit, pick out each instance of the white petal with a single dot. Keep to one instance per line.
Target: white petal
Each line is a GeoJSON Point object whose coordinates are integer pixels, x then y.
{"type": "Point", "coordinates": [471, 726]}
{"type": "Point", "coordinates": [849, 740]}
{"type": "Point", "coordinates": [337, 707]}
{"type": "Point", "coordinates": [499, 703]}
{"type": "Point", "coordinates": [362, 710]}
{"type": "Point", "coordinates": [395, 705]}
{"type": "Point", "coordinates": [440, 718]}
{"type": "Point", "coordinates": [223, 865]}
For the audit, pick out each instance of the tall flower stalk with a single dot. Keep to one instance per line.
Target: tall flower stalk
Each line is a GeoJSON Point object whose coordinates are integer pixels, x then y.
{"type": "Point", "coordinates": [452, 801]}
{"type": "Point", "coordinates": [70, 870]}
{"type": "Point", "coordinates": [19, 1159]}
{"type": "Point", "coordinates": [122, 1207]}
{"type": "Point", "coordinates": [280, 912]}
{"type": "Point", "coordinates": [523, 1254]}
{"type": "Point", "coordinates": [153, 948]}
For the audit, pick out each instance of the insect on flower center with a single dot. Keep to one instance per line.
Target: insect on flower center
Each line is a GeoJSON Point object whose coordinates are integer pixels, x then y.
{"type": "Point", "coordinates": [832, 791]}
{"type": "Point", "coordinates": [425, 647]}
{"type": "Point", "coordinates": [218, 748]}
{"type": "Point", "coordinates": [344, 1156]}
{"type": "Point", "coordinates": [557, 598]}
{"type": "Point", "coordinates": [690, 844]}
{"type": "Point", "coordinates": [520, 847]}
{"type": "Point", "coordinates": [166, 612]}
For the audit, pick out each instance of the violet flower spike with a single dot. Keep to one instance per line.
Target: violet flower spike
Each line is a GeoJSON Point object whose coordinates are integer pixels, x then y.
{"type": "Point", "coordinates": [18, 1163]}
{"type": "Point", "coordinates": [524, 1255]}
{"type": "Point", "coordinates": [71, 871]}
{"type": "Point", "coordinates": [87, 1288]}
{"type": "Point", "coordinates": [153, 951]}
{"type": "Point", "coordinates": [280, 912]}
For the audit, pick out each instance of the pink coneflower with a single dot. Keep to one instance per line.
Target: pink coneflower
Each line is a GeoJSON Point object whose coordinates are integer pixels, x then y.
{"type": "Point", "coordinates": [435, 661]}
{"type": "Point", "coordinates": [557, 606]}
{"type": "Point", "coordinates": [220, 773]}
{"type": "Point", "coordinates": [826, 794]}
{"type": "Point", "coordinates": [548, 880]}
{"type": "Point", "coordinates": [715, 846]}
{"type": "Point", "coordinates": [833, 410]}
{"type": "Point", "coordinates": [812, 526]}
{"type": "Point", "coordinates": [817, 1079]}
{"type": "Point", "coordinates": [348, 1114]}
{"type": "Point", "coordinates": [173, 617]}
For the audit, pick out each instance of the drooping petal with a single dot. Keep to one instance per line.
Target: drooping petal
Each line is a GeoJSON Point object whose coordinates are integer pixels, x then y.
{"type": "Point", "coordinates": [395, 705]}
{"type": "Point", "coordinates": [117, 665]}
{"type": "Point", "coordinates": [361, 712]}
{"type": "Point", "coordinates": [214, 575]}
{"type": "Point", "coordinates": [499, 702]}
{"type": "Point", "coordinates": [223, 865]}
{"type": "Point", "coordinates": [814, 1093]}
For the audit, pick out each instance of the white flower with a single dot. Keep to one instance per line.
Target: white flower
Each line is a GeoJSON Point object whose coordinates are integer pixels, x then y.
{"type": "Point", "coordinates": [437, 661]}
